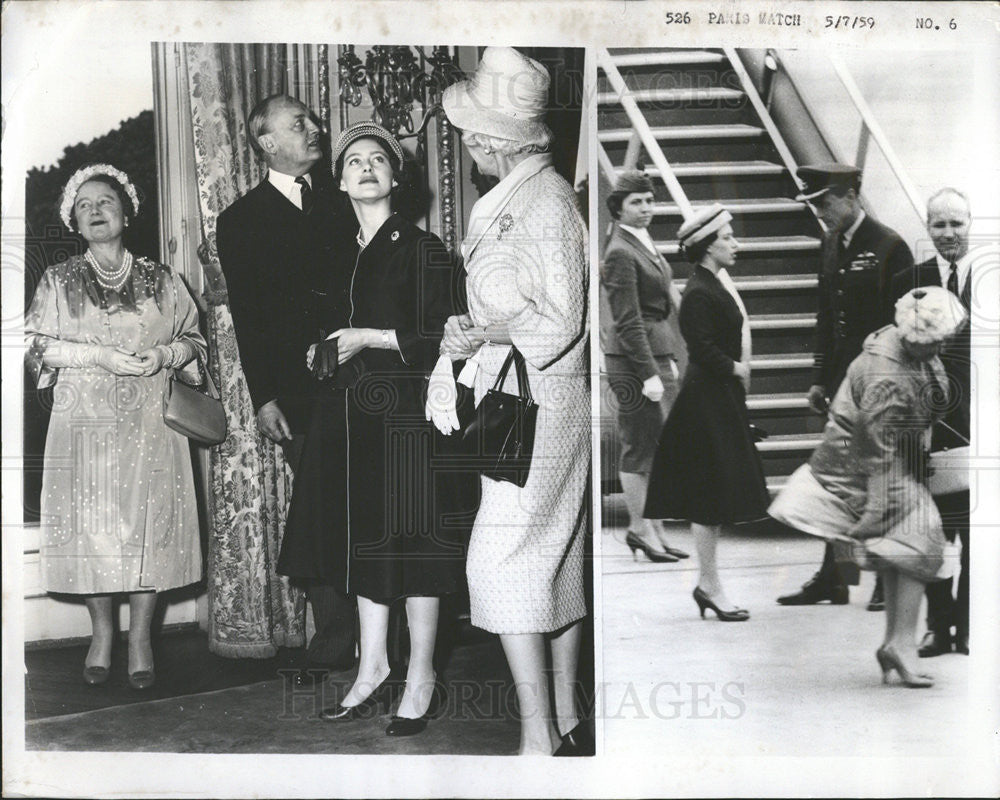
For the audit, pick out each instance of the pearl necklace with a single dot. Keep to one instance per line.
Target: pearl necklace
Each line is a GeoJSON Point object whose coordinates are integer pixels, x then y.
{"type": "Point", "coordinates": [114, 279]}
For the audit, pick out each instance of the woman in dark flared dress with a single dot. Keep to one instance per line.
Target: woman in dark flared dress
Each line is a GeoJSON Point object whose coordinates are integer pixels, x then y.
{"type": "Point", "coordinates": [369, 512]}
{"type": "Point", "coordinates": [706, 468]}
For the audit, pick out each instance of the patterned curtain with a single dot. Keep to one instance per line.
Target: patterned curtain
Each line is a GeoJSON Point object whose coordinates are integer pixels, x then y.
{"type": "Point", "coordinates": [251, 610]}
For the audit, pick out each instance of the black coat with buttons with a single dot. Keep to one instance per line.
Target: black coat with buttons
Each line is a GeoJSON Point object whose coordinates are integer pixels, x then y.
{"type": "Point", "coordinates": [375, 507]}
{"type": "Point", "coordinates": [855, 296]}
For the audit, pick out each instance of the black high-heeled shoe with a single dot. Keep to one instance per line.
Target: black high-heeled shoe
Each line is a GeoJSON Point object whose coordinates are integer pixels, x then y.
{"type": "Point", "coordinates": [410, 726]}
{"type": "Point", "coordinates": [704, 601]}
{"type": "Point", "coordinates": [578, 742]}
{"type": "Point", "coordinates": [381, 698]}
{"type": "Point", "coordinates": [635, 543]}
{"type": "Point", "coordinates": [95, 676]}
{"type": "Point", "coordinates": [889, 660]}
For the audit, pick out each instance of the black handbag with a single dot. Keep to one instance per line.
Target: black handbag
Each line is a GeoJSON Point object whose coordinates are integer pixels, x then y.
{"type": "Point", "coordinates": [501, 436]}
{"type": "Point", "coordinates": [196, 415]}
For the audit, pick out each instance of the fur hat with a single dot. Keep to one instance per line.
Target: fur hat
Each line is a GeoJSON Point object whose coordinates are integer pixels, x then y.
{"type": "Point", "coordinates": [929, 314]}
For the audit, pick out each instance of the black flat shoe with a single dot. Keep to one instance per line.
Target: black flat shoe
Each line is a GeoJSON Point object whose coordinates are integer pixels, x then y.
{"type": "Point", "coordinates": [410, 726]}
{"type": "Point", "coordinates": [935, 643]}
{"type": "Point", "coordinates": [704, 601]}
{"type": "Point", "coordinates": [877, 602]}
{"type": "Point", "coordinates": [95, 676]}
{"type": "Point", "coordinates": [816, 590]}
{"type": "Point", "coordinates": [380, 699]}
{"type": "Point", "coordinates": [635, 543]}
{"type": "Point", "coordinates": [578, 742]}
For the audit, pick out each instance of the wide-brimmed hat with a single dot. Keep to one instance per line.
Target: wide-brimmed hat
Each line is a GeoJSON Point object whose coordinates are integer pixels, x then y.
{"type": "Point", "coordinates": [368, 130]}
{"type": "Point", "coordinates": [818, 179]}
{"type": "Point", "coordinates": [506, 97]}
{"type": "Point", "coordinates": [704, 222]}
{"type": "Point", "coordinates": [928, 314]}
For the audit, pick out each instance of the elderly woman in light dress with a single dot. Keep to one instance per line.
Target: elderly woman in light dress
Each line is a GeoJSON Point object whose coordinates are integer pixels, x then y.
{"type": "Point", "coordinates": [526, 263]}
{"type": "Point", "coordinates": [118, 511]}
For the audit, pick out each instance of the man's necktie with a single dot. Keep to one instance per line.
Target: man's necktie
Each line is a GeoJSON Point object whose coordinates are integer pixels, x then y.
{"type": "Point", "coordinates": [306, 193]}
{"type": "Point", "coordinates": [953, 279]}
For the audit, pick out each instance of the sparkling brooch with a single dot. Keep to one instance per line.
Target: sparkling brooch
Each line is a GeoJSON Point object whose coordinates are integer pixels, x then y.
{"type": "Point", "coordinates": [506, 223]}
{"type": "Point", "coordinates": [395, 235]}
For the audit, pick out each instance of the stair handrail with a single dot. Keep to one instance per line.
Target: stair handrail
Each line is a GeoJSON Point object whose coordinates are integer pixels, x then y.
{"type": "Point", "coordinates": [604, 160]}
{"type": "Point", "coordinates": [871, 124]}
{"type": "Point", "coordinates": [640, 125]}
{"type": "Point", "coordinates": [765, 116]}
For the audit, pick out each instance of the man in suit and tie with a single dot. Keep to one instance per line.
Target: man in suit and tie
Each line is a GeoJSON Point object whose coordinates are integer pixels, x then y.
{"type": "Point", "coordinates": [948, 221]}
{"type": "Point", "coordinates": [642, 347]}
{"type": "Point", "coordinates": [278, 248]}
{"type": "Point", "coordinates": [859, 258]}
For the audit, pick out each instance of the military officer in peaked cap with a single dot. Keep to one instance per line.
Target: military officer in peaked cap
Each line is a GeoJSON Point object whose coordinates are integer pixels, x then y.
{"type": "Point", "coordinates": [859, 258]}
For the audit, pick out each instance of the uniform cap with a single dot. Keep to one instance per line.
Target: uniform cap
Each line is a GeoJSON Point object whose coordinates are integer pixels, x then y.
{"type": "Point", "coordinates": [818, 179]}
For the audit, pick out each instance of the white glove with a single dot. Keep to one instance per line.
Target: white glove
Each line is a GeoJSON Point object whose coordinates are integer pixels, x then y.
{"type": "Point", "coordinates": [442, 397]}
{"type": "Point", "coordinates": [652, 388]}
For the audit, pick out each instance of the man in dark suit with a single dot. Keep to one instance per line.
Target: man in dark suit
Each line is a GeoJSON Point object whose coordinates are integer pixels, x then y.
{"type": "Point", "coordinates": [948, 221]}
{"type": "Point", "coordinates": [859, 258]}
{"type": "Point", "coordinates": [278, 247]}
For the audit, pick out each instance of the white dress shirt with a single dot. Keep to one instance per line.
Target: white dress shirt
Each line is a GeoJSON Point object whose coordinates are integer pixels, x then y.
{"type": "Point", "coordinates": [287, 186]}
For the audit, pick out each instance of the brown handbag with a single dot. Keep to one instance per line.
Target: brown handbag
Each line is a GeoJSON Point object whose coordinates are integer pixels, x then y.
{"type": "Point", "coordinates": [198, 415]}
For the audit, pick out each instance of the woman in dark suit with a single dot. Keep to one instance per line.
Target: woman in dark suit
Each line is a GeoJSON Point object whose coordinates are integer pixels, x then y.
{"type": "Point", "coordinates": [367, 510]}
{"type": "Point", "coordinates": [706, 468]}
{"type": "Point", "coordinates": [638, 297]}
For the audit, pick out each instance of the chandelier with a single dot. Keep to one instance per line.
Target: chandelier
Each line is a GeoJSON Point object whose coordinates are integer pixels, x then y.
{"type": "Point", "coordinates": [395, 79]}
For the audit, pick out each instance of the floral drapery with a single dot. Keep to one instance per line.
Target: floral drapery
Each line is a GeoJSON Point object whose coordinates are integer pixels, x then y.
{"type": "Point", "coordinates": [251, 610]}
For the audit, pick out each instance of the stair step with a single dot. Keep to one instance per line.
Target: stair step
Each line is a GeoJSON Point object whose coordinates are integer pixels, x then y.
{"type": "Point", "coordinates": [779, 361]}
{"type": "Point", "coordinates": [697, 169]}
{"type": "Point", "coordinates": [772, 402]}
{"type": "Point", "coordinates": [658, 58]}
{"type": "Point", "coordinates": [679, 96]}
{"type": "Point", "coordinates": [768, 283]}
{"type": "Point", "coordinates": [686, 132]}
{"type": "Point", "coordinates": [758, 244]}
{"type": "Point", "coordinates": [763, 322]}
{"type": "Point", "coordinates": [775, 483]}
{"type": "Point", "coordinates": [790, 443]}
{"type": "Point", "coordinates": [762, 205]}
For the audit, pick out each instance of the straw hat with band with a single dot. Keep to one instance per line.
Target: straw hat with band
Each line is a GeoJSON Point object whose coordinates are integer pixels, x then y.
{"type": "Point", "coordinates": [703, 223]}
{"type": "Point", "coordinates": [368, 130]}
{"type": "Point", "coordinates": [506, 97]}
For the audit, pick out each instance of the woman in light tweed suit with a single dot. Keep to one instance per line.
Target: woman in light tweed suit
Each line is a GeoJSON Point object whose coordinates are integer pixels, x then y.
{"type": "Point", "coordinates": [525, 255]}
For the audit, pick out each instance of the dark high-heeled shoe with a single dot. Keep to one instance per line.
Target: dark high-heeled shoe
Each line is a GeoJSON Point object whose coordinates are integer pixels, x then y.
{"type": "Point", "coordinates": [410, 726]}
{"type": "Point", "coordinates": [704, 601]}
{"type": "Point", "coordinates": [95, 676]}
{"type": "Point", "coordinates": [673, 551]}
{"type": "Point", "coordinates": [889, 660]}
{"type": "Point", "coordinates": [380, 699]}
{"type": "Point", "coordinates": [142, 678]}
{"type": "Point", "coordinates": [635, 543]}
{"type": "Point", "coordinates": [578, 742]}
